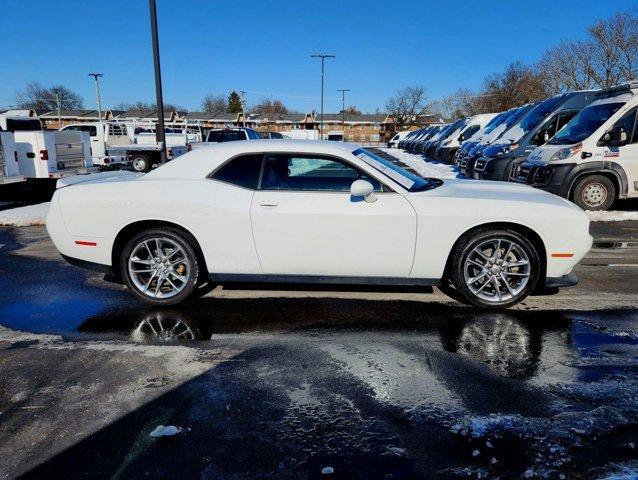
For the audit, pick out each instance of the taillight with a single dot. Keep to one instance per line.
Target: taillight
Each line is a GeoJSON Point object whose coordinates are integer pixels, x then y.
{"type": "Point", "coordinates": [170, 152]}
{"type": "Point", "coordinates": [15, 155]}
{"type": "Point", "coordinates": [189, 147]}
{"type": "Point", "coordinates": [107, 161]}
{"type": "Point", "coordinates": [44, 154]}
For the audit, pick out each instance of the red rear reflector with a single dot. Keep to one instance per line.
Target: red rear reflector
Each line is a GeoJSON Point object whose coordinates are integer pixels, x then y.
{"type": "Point", "coordinates": [44, 154]}
{"type": "Point", "coordinates": [562, 255]}
{"type": "Point", "coordinates": [189, 147]}
{"type": "Point", "coordinates": [85, 243]}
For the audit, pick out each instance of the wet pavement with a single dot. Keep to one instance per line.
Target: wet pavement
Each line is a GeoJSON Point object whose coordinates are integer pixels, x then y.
{"type": "Point", "coordinates": [274, 385]}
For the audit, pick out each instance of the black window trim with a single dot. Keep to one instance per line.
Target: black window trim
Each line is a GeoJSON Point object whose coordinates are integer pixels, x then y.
{"type": "Point", "coordinates": [385, 188]}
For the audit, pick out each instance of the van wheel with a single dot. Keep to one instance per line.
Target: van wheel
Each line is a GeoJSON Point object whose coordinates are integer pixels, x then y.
{"type": "Point", "coordinates": [160, 266]}
{"type": "Point", "coordinates": [494, 269]}
{"type": "Point", "coordinates": [594, 192]}
{"type": "Point", "coordinates": [141, 162]}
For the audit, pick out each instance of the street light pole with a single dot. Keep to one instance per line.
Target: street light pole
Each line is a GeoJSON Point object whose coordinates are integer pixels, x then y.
{"type": "Point", "coordinates": [343, 110]}
{"type": "Point", "coordinates": [160, 135]}
{"type": "Point", "coordinates": [96, 76]}
{"type": "Point", "coordinates": [322, 56]}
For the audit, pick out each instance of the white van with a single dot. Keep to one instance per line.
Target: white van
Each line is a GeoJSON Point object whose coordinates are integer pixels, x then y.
{"type": "Point", "coordinates": [394, 141]}
{"type": "Point", "coordinates": [9, 166]}
{"type": "Point", "coordinates": [593, 159]}
{"type": "Point", "coordinates": [46, 154]}
{"type": "Point", "coordinates": [446, 151]}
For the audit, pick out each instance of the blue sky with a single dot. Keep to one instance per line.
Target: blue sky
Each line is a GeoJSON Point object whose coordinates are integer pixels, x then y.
{"type": "Point", "coordinates": [213, 46]}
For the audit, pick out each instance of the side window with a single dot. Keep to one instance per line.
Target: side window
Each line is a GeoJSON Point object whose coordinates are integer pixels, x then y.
{"type": "Point", "coordinates": [89, 128]}
{"type": "Point", "coordinates": [242, 171]}
{"type": "Point", "coordinates": [72, 128]}
{"type": "Point", "coordinates": [627, 122]}
{"type": "Point", "coordinates": [308, 173]}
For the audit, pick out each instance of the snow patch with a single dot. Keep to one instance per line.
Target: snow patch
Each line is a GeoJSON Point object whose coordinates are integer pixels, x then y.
{"type": "Point", "coordinates": [423, 168]}
{"type": "Point", "coordinates": [25, 216]}
{"type": "Point", "coordinates": [611, 216]}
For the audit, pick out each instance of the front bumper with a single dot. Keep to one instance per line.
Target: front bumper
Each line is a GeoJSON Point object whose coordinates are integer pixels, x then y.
{"type": "Point", "coordinates": [568, 280]}
{"type": "Point", "coordinates": [497, 168]}
{"type": "Point", "coordinates": [551, 178]}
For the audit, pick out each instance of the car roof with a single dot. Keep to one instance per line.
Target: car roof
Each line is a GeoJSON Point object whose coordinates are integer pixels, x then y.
{"type": "Point", "coordinates": [207, 156]}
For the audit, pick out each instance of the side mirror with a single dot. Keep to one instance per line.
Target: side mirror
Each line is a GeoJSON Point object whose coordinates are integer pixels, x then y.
{"type": "Point", "coordinates": [363, 189]}
{"type": "Point", "coordinates": [616, 137]}
{"type": "Point", "coordinates": [542, 137]}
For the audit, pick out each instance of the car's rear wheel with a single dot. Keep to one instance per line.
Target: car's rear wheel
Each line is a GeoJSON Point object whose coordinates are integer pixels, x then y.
{"type": "Point", "coordinates": [160, 266]}
{"type": "Point", "coordinates": [495, 269]}
{"type": "Point", "coordinates": [594, 192]}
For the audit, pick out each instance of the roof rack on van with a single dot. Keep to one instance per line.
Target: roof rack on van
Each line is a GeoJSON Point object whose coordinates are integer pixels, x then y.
{"type": "Point", "coordinates": [628, 87]}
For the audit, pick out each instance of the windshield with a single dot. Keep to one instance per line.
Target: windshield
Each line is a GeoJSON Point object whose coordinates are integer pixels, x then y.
{"type": "Point", "coordinates": [537, 114]}
{"type": "Point", "coordinates": [585, 123]}
{"type": "Point", "coordinates": [495, 122]}
{"type": "Point", "coordinates": [402, 176]}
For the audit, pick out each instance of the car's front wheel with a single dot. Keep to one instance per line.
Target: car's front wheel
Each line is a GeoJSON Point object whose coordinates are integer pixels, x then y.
{"type": "Point", "coordinates": [160, 266]}
{"type": "Point", "coordinates": [494, 269]}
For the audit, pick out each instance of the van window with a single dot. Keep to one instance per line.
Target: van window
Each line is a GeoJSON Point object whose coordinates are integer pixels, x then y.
{"type": "Point", "coordinates": [14, 125]}
{"type": "Point", "coordinates": [627, 122]}
{"type": "Point", "coordinates": [585, 123]}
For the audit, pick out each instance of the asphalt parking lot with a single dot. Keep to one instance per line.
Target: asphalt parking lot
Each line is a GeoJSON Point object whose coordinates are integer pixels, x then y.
{"type": "Point", "coordinates": [273, 385]}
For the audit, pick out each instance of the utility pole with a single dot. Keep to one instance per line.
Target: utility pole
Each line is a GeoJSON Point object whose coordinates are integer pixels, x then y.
{"type": "Point", "coordinates": [160, 134]}
{"type": "Point", "coordinates": [57, 104]}
{"type": "Point", "coordinates": [243, 105]}
{"type": "Point", "coordinates": [343, 110]}
{"type": "Point", "coordinates": [96, 77]}
{"type": "Point", "coordinates": [323, 57]}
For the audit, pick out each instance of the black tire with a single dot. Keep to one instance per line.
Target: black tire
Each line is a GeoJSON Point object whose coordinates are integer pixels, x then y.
{"type": "Point", "coordinates": [194, 264]}
{"type": "Point", "coordinates": [141, 162]}
{"type": "Point", "coordinates": [465, 247]}
{"type": "Point", "coordinates": [594, 192]}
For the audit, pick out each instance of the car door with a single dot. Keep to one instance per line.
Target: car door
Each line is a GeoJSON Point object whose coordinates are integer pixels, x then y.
{"type": "Point", "coordinates": [305, 221]}
{"type": "Point", "coordinates": [626, 154]}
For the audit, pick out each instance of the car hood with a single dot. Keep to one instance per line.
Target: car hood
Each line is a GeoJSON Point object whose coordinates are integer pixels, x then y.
{"type": "Point", "coordinates": [497, 191]}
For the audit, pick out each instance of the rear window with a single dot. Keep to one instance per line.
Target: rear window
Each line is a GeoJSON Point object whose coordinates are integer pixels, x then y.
{"type": "Point", "coordinates": [23, 125]}
{"type": "Point", "coordinates": [242, 171]}
{"type": "Point", "coordinates": [226, 136]}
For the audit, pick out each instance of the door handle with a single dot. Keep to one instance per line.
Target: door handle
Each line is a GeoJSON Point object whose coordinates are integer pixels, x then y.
{"type": "Point", "coordinates": [268, 205]}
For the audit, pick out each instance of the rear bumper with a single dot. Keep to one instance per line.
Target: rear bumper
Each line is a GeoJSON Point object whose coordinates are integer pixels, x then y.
{"type": "Point", "coordinates": [86, 265]}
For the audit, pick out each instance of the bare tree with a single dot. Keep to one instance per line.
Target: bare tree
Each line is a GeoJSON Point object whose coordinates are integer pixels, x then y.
{"type": "Point", "coordinates": [607, 57]}
{"type": "Point", "coordinates": [146, 107]}
{"type": "Point", "coordinates": [270, 108]}
{"type": "Point", "coordinates": [40, 98]}
{"type": "Point", "coordinates": [352, 110]}
{"type": "Point", "coordinates": [407, 105]}
{"type": "Point", "coordinates": [214, 104]}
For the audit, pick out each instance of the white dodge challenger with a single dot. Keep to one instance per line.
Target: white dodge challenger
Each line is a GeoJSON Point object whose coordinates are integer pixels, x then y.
{"type": "Point", "coordinates": [303, 212]}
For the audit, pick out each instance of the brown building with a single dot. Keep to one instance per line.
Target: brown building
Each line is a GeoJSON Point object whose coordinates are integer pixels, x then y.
{"type": "Point", "coordinates": [358, 128]}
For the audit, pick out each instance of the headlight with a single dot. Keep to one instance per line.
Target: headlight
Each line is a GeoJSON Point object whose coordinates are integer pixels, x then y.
{"type": "Point", "coordinates": [564, 153]}
{"type": "Point", "coordinates": [507, 149]}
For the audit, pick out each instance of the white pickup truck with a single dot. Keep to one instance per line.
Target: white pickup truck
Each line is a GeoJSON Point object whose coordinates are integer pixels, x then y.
{"type": "Point", "coordinates": [44, 154]}
{"type": "Point", "coordinates": [117, 143]}
{"type": "Point", "coordinates": [9, 167]}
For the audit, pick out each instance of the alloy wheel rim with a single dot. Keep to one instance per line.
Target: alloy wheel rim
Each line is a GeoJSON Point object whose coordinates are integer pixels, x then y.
{"type": "Point", "coordinates": [159, 267]}
{"type": "Point", "coordinates": [497, 270]}
{"type": "Point", "coordinates": [595, 194]}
